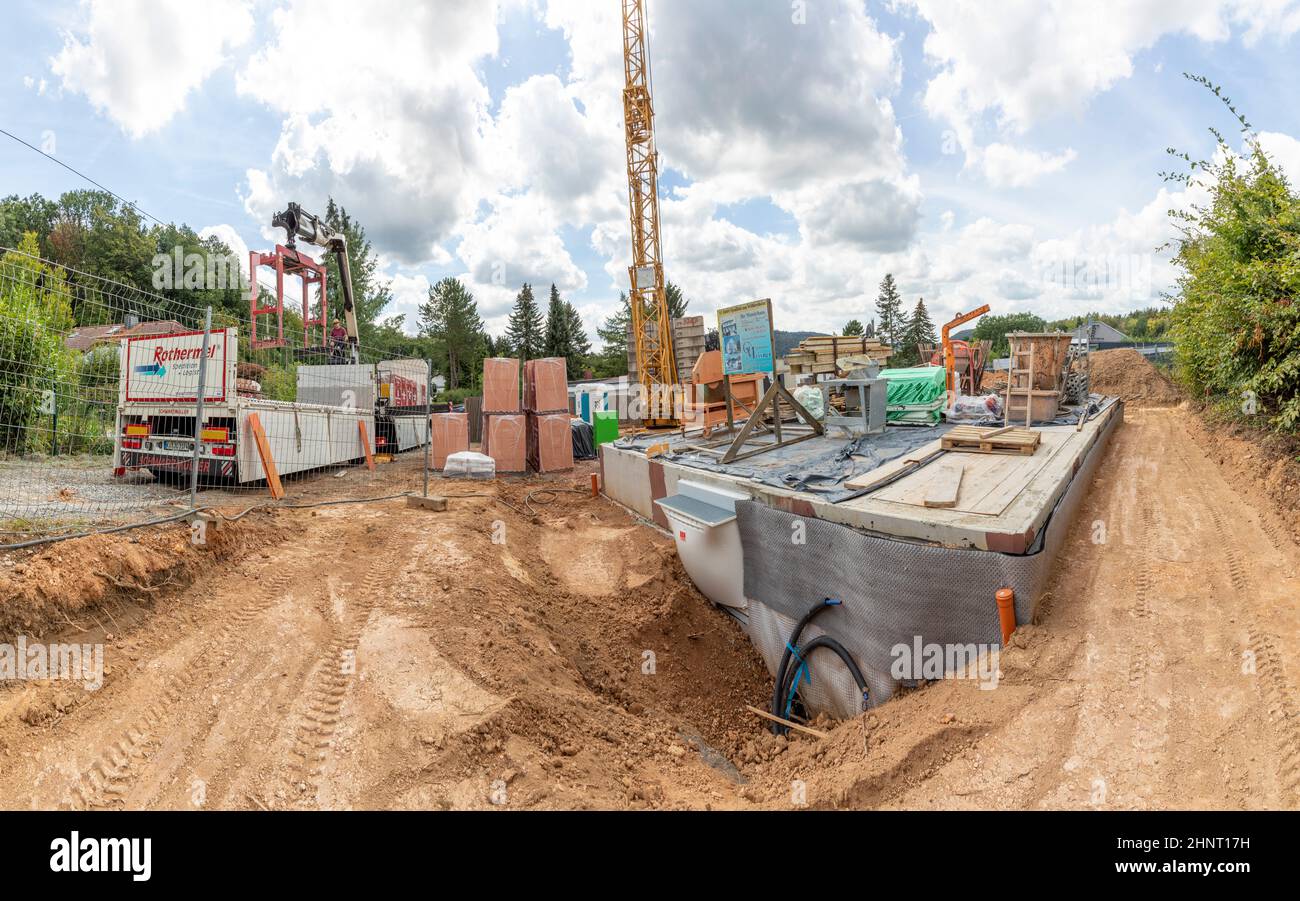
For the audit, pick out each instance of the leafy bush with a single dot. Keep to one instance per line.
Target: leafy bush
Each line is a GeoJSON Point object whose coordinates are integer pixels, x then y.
{"type": "Point", "coordinates": [35, 367]}
{"type": "Point", "coordinates": [280, 383]}
{"type": "Point", "coordinates": [1236, 322]}
{"type": "Point", "coordinates": [456, 395]}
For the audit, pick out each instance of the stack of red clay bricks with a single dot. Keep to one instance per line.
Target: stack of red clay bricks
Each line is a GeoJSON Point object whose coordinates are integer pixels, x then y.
{"type": "Point", "coordinates": [546, 399]}
{"type": "Point", "coordinates": [450, 434]}
{"type": "Point", "coordinates": [505, 433]}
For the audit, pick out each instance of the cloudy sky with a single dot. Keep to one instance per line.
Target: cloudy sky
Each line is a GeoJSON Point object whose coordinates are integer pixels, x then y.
{"type": "Point", "coordinates": [807, 146]}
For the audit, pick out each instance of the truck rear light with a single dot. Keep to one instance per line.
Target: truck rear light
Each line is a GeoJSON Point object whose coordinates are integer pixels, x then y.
{"type": "Point", "coordinates": [138, 431]}
{"type": "Point", "coordinates": [223, 450]}
{"type": "Point", "coordinates": [214, 435]}
{"type": "Point", "coordinates": [380, 441]}
{"type": "Point", "coordinates": [131, 443]}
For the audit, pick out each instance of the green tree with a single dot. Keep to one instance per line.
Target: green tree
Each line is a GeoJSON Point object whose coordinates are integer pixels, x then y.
{"type": "Point", "coordinates": [20, 215]}
{"type": "Point", "coordinates": [525, 334]}
{"type": "Point", "coordinates": [677, 301]}
{"type": "Point", "coordinates": [556, 341]}
{"type": "Point", "coordinates": [889, 312]}
{"type": "Point", "coordinates": [579, 344]}
{"type": "Point", "coordinates": [612, 359]}
{"type": "Point", "coordinates": [995, 329]}
{"type": "Point", "coordinates": [852, 328]}
{"type": "Point", "coordinates": [371, 295]}
{"type": "Point", "coordinates": [391, 342]}
{"type": "Point", "coordinates": [919, 330]}
{"type": "Point", "coordinates": [450, 318]}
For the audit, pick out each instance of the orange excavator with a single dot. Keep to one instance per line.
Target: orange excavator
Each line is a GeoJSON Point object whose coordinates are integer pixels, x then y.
{"type": "Point", "coordinates": [951, 348]}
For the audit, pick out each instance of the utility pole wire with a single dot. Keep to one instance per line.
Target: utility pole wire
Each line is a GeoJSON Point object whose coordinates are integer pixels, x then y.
{"type": "Point", "coordinates": [53, 159]}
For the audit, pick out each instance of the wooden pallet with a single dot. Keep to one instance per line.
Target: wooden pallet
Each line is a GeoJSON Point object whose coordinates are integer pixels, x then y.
{"type": "Point", "coordinates": [1006, 440]}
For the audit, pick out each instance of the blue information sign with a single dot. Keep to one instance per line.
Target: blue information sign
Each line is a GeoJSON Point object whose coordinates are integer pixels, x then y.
{"type": "Point", "coordinates": [745, 335]}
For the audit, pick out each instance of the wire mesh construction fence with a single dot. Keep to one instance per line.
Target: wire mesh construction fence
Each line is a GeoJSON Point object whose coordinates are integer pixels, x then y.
{"type": "Point", "coordinates": [121, 406]}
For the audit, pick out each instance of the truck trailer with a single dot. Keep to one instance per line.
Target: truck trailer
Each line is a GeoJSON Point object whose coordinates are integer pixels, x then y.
{"type": "Point", "coordinates": [157, 411]}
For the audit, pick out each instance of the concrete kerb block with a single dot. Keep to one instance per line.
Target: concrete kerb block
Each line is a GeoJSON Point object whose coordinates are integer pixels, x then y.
{"type": "Point", "coordinates": [434, 502]}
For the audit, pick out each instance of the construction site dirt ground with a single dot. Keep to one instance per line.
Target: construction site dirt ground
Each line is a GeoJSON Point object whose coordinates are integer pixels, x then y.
{"type": "Point", "coordinates": [552, 654]}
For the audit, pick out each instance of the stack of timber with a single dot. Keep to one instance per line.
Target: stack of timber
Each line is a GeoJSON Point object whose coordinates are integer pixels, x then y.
{"type": "Point", "coordinates": [817, 355]}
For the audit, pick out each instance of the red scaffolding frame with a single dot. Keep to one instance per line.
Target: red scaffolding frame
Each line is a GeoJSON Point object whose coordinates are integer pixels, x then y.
{"type": "Point", "coordinates": [287, 261]}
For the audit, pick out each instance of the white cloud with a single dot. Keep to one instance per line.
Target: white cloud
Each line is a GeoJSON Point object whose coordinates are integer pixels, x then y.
{"type": "Point", "coordinates": [1035, 59]}
{"type": "Point", "coordinates": [137, 61]}
{"type": "Point", "coordinates": [230, 237]}
{"type": "Point", "coordinates": [389, 119]}
{"type": "Point", "coordinates": [409, 291]}
{"type": "Point", "coordinates": [385, 106]}
{"type": "Point", "coordinates": [1284, 151]}
{"type": "Point", "coordinates": [516, 244]}
{"type": "Point", "coordinates": [750, 105]}
{"type": "Point", "coordinates": [543, 143]}
{"type": "Point", "coordinates": [1005, 166]}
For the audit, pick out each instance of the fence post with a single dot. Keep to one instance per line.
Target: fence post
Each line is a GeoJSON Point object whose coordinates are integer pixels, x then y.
{"type": "Point", "coordinates": [198, 409]}
{"type": "Point", "coordinates": [428, 432]}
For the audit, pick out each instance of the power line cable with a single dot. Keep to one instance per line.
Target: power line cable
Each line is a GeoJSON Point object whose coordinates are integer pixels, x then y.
{"type": "Point", "coordinates": [80, 174]}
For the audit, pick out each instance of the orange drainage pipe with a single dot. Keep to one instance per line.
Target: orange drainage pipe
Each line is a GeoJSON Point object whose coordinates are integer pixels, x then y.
{"type": "Point", "coordinates": [1006, 598]}
{"type": "Point", "coordinates": [595, 485]}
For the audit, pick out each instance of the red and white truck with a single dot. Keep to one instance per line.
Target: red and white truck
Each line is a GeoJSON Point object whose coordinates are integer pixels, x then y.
{"type": "Point", "coordinates": [158, 399]}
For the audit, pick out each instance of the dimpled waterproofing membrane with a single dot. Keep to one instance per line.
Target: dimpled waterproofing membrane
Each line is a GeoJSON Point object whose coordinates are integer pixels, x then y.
{"type": "Point", "coordinates": [892, 591]}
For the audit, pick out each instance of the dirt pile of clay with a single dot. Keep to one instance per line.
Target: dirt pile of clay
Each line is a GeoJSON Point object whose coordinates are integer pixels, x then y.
{"type": "Point", "coordinates": [49, 588]}
{"type": "Point", "coordinates": [1127, 374]}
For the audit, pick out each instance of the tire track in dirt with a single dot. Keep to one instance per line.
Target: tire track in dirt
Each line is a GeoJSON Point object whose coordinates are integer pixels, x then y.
{"type": "Point", "coordinates": [1274, 688]}
{"type": "Point", "coordinates": [326, 689]}
{"type": "Point", "coordinates": [118, 765]}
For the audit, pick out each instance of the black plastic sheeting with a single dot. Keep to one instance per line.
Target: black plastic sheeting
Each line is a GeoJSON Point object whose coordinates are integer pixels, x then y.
{"type": "Point", "coordinates": [823, 465]}
{"type": "Point", "coordinates": [584, 440]}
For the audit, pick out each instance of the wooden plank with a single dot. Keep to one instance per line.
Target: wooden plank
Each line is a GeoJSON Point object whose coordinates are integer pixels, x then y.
{"type": "Point", "coordinates": [990, 482]}
{"type": "Point", "coordinates": [264, 452]}
{"type": "Point", "coordinates": [365, 444]}
{"type": "Point", "coordinates": [945, 485]}
{"type": "Point", "coordinates": [892, 468]}
{"type": "Point", "coordinates": [999, 497]}
{"type": "Point", "coordinates": [790, 724]}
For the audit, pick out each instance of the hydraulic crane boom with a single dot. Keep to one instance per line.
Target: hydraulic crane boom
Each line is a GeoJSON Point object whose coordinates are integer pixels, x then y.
{"type": "Point", "coordinates": [297, 223]}
{"type": "Point", "coordinates": [651, 322]}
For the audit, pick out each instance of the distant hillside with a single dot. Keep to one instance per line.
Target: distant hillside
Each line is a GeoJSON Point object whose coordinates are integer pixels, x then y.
{"type": "Point", "coordinates": [788, 341]}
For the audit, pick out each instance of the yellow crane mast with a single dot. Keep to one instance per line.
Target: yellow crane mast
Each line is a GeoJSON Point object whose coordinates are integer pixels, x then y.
{"type": "Point", "coordinates": [652, 327]}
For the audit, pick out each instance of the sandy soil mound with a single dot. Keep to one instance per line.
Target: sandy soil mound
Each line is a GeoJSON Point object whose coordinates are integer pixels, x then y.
{"type": "Point", "coordinates": [49, 587]}
{"type": "Point", "coordinates": [534, 650]}
{"type": "Point", "coordinates": [1128, 374]}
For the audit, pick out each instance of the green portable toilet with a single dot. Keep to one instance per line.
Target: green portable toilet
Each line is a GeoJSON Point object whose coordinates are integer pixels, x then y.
{"type": "Point", "coordinates": [605, 426]}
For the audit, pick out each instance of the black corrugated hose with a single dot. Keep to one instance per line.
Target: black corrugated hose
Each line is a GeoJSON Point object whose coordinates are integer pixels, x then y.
{"type": "Point", "coordinates": [783, 672]}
